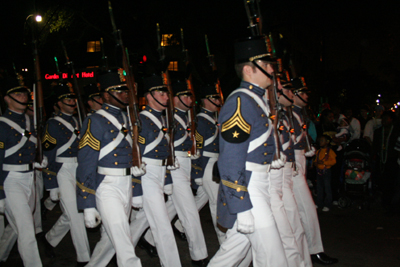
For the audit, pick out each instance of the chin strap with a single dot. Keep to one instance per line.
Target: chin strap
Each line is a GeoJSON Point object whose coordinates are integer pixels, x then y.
{"type": "Point", "coordinates": [300, 98]}
{"type": "Point", "coordinates": [119, 101]}
{"type": "Point", "coordinates": [179, 97]}
{"type": "Point", "coordinates": [25, 104]}
{"type": "Point", "coordinates": [285, 96]}
{"type": "Point", "coordinates": [218, 106]}
{"type": "Point", "coordinates": [94, 100]}
{"type": "Point", "coordinates": [262, 70]}
{"type": "Point", "coordinates": [151, 93]}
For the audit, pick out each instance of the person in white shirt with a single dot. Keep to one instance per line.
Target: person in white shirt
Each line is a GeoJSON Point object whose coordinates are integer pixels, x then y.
{"type": "Point", "coordinates": [373, 124]}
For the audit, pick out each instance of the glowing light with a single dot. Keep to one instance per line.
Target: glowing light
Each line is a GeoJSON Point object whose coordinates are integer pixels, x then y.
{"type": "Point", "coordinates": [377, 101]}
{"type": "Point", "coordinates": [38, 18]}
{"type": "Point", "coordinates": [379, 95]}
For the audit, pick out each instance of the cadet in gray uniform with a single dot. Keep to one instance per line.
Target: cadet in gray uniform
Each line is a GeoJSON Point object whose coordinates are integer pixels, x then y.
{"type": "Point", "coordinates": [153, 142]}
{"type": "Point", "coordinates": [93, 97]}
{"type": "Point", "coordinates": [17, 185]}
{"type": "Point", "coordinates": [104, 175]}
{"type": "Point", "coordinates": [247, 149]}
{"type": "Point", "coordinates": [60, 145]}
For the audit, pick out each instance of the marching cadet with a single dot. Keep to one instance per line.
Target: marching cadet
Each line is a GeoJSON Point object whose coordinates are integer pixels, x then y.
{"type": "Point", "coordinates": [104, 174]}
{"type": "Point", "coordinates": [283, 203]}
{"type": "Point", "coordinates": [305, 202]}
{"type": "Point", "coordinates": [93, 97]}
{"type": "Point", "coordinates": [153, 141]}
{"type": "Point", "coordinates": [17, 185]}
{"type": "Point", "coordinates": [208, 145]}
{"type": "Point", "coordinates": [247, 149]}
{"type": "Point", "coordinates": [60, 145]}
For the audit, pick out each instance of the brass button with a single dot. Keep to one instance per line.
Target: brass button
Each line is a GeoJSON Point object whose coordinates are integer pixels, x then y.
{"type": "Point", "coordinates": [20, 154]}
{"type": "Point", "coordinates": [133, 186]}
{"type": "Point", "coordinates": [83, 190]}
{"type": "Point", "coordinates": [250, 87]}
{"type": "Point", "coordinates": [266, 125]}
{"type": "Point", "coordinates": [264, 162]}
{"type": "Point", "coordinates": [224, 204]}
{"type": "Point", "coordinates": [108, 122]}
{"type": "Point", "coordinates": [84, 197]}
{"type": "Point", "coordinates": [265, 144]}
{"type": "Point", "coordinates": [262, 115]}
{"type": "Point", "coordinates": [236, 182]}
{"type": "Point", "coordinates": [156, 150]}
{"type": "Point", "coordinates": [265, 153]}
{"type": "Point", "coordinates": [115, 155]}
{"type": "Point", "coordinates": [241, 198]}
{"type": "Point", "coordinates": [116, 163]}
{"type": "Point", "coordinates": [238, 189]}
{"type": "Point", "coordinates": [111, 131]}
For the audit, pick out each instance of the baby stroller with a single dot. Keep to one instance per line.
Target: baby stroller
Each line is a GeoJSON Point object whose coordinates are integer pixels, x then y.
{"type": "Point", "coordinates": [356, 178]}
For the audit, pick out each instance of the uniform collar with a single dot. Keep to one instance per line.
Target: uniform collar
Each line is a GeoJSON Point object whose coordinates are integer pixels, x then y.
{"type": "Point", "coordinates": [113, 110]}
{"type": "Point", "coordinates": [252, 87]}
{"type": "Point", "coordinates": [297, 108]}
{"type": "Point", "coordinates": [153, 111]}
{"type": "Point", "coordinates": [180, 112]}
{"type": "Point", "coordinates": [14, 115]}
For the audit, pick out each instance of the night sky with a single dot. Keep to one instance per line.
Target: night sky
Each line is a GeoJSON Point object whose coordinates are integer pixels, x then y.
{"type": "Point", "coordinates": [347, 50]}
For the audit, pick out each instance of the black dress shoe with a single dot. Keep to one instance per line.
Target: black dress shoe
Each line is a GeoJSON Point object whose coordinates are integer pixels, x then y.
{"type": "Point", "coordinates": [202, 262]}
{"type": "Point", "coordinates": [323, 259]}
{"type": "Point", "coordinates": [81, 263]}
{"type": "Point", "coordinates": [49, 249]}
{"type": "Point", "coordinates": [178, 233]}
{"type": "Point", "coordinates": [150, 249]}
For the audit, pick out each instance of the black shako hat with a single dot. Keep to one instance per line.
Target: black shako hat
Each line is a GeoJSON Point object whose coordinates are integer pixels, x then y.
{"type": "Point", "coordinates": [13, 84]}
{"type": "Point", "coordinates": [179, 84]}
{"type": "Point", "coordinates": [64, 90]}
{"type": "Point", "coordinates": [113, 79]}
{"type": "Point", "coordinates": [299, 85]}
{"type": "Point", "coordinates": [253, 48]}
{"type": "Point", "coordinates": [285, 80]}
{"type": "Point", "coordinates": [207, 91]}
{"type": "Point", "coordinates": [154, 82]}
{"type": "Point", "coordinates": [91, 90]}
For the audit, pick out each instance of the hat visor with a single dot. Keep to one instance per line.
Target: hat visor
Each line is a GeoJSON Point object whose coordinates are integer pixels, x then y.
{"type": "Point", "coordinates": [72, 96]}
{"type": "Point", "coordinates": [19, 89]}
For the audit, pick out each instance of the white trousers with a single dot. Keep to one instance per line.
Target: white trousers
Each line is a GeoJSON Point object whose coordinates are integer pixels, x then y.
{"type": "Point", "coordinates": [37, 215]}
{"type": "Point", "coordinates": [293, 215]}
{"type": "Point", "coordinates": [20, 202]}
{"type": "Point", "coordinates": [113, 200]}
{"type": "Point", "coordinates": [292, 251]}
{"type": "Point", "coordinates": [1, 225]}
{"type": "Point", "coordinates": [306, 206]}
{"type": "Point", "coordinates": [71, 219]}
{"type": "Point", "coordinates": [155, 215]}
{"type": "Point", "coordinates": [265, 242]}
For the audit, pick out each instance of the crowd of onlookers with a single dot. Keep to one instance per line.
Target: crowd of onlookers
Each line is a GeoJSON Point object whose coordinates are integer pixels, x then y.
{"type": "Point", "coordinates": [375, 129]}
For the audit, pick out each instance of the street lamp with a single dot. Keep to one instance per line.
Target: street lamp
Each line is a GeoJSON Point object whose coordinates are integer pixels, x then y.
{"type": "Point", "coordinates": [38, 18]}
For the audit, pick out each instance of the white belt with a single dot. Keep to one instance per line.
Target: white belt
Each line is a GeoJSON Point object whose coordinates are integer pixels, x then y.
{"type": "Point", "coordinates": [157, 162]}
{"type": "Point", "coordinates": [251, 166]}
{"type": "Point", "coordinates": [183, 154]}
{"type": "Point", "coordinates": [210, 154]}
{"type": "Point", "coordinates": [114, 171]}
{"type": "Point", "coordinates": [66, 160]}
{"type": "Point", "coordinates": [299, 152]}
{"type": "Point", "coordinates": [18, 167]}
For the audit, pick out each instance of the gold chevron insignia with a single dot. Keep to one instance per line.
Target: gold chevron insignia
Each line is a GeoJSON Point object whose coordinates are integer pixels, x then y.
{"type": "Point", "coordinates": [237, 120]}
{"type": "Point", "coordinates": [85, 189]}
{"type": "Point", "coordinates": [199, 140]}
{"type": "Point", "coordinates": [1, 145]}
{"type": "Point", "coordinates": [89, 140]}
{"type": "Point", "coordinates": [134, 180]}
{"type": "Point", "coordinates": [47, 137]}
{"type": "Point", "coordinates": [141, 140]}
{"type": "Point", "coordinates": [235, 186]}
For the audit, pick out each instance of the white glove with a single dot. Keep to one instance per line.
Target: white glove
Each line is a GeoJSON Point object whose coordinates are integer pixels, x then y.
{"type": "Point", "coordinates": [283, 158]}
{"type": "Point", "coordinates": [310, 153]}
{"type": "Point", "coordinates": [139, 171]}
{"type": "Point", "coordinates": [2, 205]}
{"type": "Point", "coordinates": [296, 170]}
{"type": "Point", "coordinates": [137, 202]}
{"type": "Point", "coordinates": [176, 166]}
{"type": "Point", "coordinates": [91, 215]}
{"type": "Point", "coordinates": [245, 222]}
{"type": "Point", "coordinates": [196, 156]}
{"type": "Point", "coordinates": [199, 181]}
{"type": "Point", "coordinates": [398, 161]}
{"type": "Point", "coordinates": [168, 189]}
{"type": "Point", "coordinates": [44, 163]}
{"type": "Point", "coordinates": [55, 194]}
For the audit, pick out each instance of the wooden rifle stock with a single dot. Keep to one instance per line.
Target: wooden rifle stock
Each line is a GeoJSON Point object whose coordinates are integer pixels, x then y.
{"type": "Point", "coordinates": [305, 128]}
{"type": "Point", "coordinates": [81, 107]}
{"type": "Point", "coordinates": [170, 120]}
{"type": "Point", "coordinates": [192, 110]}
{"type": "Point", "coordinates": [275, 116]}
{"type": "Point", "coordinates": [214, 68]}
{"type": "Point", "coordinates": [133, 108]}
{"type": "Point", "coordinates": [39, 113]}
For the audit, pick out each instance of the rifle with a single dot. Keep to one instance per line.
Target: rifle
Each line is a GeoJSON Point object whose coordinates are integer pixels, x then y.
{"type": "Point", "coordinates": [103, 55]}
{"type": "Point", "coordinates": [192, 110]}
{"type": "Point", "coordinates": [170, 108]}
{"type": "Point", "coordinates": [255, 25]}
{"type": "Point", "coordinates": [214, 68]}
{"type": "Point", "coordinates": [81, 107]}
{"type": "Point", "coordinates": [303, 111]}
{"type": "Point", "coordinates": [38, 102]}
{"type": "Point", "coordinates": [133, 107]}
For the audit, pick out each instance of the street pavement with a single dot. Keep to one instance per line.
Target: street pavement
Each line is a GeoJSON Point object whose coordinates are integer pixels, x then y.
{"type": "Point", "coordinates": [356, 236]}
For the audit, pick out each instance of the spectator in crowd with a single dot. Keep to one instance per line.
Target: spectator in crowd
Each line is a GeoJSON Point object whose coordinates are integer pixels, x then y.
{"type": "Point", "coordinates": [355, 128]}
{"type": "Point", "coordinates": [364, 117]}
{"type": "Point", "coordinates": [373, 124]}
